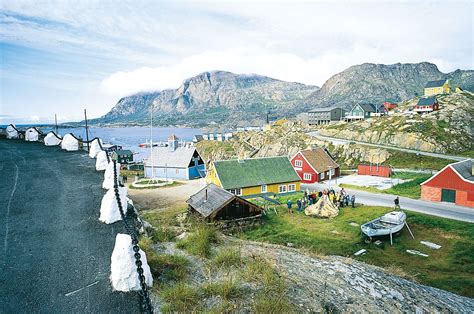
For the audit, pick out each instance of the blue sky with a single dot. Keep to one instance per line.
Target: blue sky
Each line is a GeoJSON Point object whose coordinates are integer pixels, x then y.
{"type": "Point", "coordinates": [64, 56]}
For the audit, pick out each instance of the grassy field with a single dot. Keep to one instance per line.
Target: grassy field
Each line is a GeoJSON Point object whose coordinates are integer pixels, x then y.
{"type": "Point", "coordinates": [449, 268]}
{"type": "Point", "coordinates": [409, 189]}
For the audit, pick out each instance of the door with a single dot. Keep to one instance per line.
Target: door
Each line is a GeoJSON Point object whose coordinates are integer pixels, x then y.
{"type": "Point", "coordinates": [448, 195]}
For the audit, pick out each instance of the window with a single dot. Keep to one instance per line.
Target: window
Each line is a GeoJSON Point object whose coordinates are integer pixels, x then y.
{"type": "Point", "coordinates": [298, 163]}
{"type": "Point", "coordinates": [321, 176]}
{"type": "Point", "coordinates": [332, 172]}
{"type": "Point", "coordinates": [237, 192]}
{"type": "Point", "coordinates": [307, 176]}
{"type": "Point", "coordinates": [264, 188]}
{"type": "Point", "coordinates": [291, 187]}
{"type": "Point", "coordinates": [282, 189]}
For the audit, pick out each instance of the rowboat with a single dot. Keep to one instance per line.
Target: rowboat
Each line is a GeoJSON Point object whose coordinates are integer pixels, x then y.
{"type": "Point", "coordinates": [387, 224]}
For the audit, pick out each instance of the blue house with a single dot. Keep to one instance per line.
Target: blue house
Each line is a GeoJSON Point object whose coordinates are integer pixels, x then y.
{"type": "Point", "coordinates": [179, 161]}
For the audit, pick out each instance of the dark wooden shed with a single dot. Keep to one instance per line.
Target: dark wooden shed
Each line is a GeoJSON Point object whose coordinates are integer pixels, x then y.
{"type": "Point", "coordinates": [214, 203]}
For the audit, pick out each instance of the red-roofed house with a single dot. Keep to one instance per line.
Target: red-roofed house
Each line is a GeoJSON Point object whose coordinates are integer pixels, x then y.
{"type": "Point", "coordinates": [454, 183]}
{"type": "Point", "coordinates": [314, 165]}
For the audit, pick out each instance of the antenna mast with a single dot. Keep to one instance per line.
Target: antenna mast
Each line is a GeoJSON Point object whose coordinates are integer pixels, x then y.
{"type": "Point", "coordinates": [56, 123]}
{"type": "Point", "coordinates": [151, 141]}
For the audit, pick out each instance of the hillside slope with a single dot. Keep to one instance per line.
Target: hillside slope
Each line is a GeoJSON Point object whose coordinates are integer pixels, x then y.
{"type": "Point", "coordinates": [213, 97]}
{"type": "Point", "coordinates": [449, 129]}
{"type": "Point", "coordinates": [376, 83]}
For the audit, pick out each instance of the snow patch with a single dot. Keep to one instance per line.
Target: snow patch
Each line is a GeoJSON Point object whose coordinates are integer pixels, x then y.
{"type": "Point", "coordinates": [124, 275]}
{"type": "Point", "coordinates": [109, 176]}
{"type": "Point", "coordinates": [109, 211]}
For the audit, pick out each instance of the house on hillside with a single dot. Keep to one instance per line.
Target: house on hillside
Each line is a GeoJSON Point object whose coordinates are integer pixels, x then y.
{"type": "Point", "coordinates": [454, 184]}
{"type": "Point", "coordinates": [365, 111]}
{"type": "Point", "coordinates": [175, 162]}
{"type": "Point", "coordinates": [214, 203]}
{"type": "Point", "coordinates": [122, 156]}
{"type": "Point", "coordinates": [314, 165]}
{"type": "Point", "coordinates": [426, 104]}
{"type": "Point", "coordinates": [325, 115]}
{"type": "Point", "coordinates": [437, 87]}
{"type": "Point", "coordinates": [389, 106]}
{"type": "Point", "coordinates": [254, 176]}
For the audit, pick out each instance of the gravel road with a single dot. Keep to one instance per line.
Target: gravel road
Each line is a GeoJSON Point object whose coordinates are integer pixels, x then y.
{"type": "Point", "coordinates": [55, 254]}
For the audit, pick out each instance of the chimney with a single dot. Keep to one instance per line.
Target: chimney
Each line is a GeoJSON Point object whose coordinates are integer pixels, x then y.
{"type": "Point", "coordinates": [172, 143]}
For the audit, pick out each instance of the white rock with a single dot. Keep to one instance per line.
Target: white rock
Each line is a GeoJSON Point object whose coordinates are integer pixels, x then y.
{"type": "Point", "coordinates": [109, 211]}
{"type": "Point", "coordinates": [51, 139]}
{"type": "Point", "coordinates": [101, 161]}
{"type": "Point", "coordinates": [12, 132]}
{"type": "Point", "coordinates": [31, 135]}
{"type": "Point", "coordinates": [109, 175]}
{"type": "Point", "coordinates": [94, 148]}
{"type": "Point", "coordinates": [70, 143]}
{"type": "Point", "coordinates": [124, 276]}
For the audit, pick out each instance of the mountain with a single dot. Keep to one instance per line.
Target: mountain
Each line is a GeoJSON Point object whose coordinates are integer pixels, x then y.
{"type": "Point", "coordinates": [209, 97]}
{"type": "Point", "coordinates": [376, 83]}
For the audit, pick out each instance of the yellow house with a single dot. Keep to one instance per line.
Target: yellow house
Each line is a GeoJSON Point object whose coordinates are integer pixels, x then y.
{"type": "Point", "coordinates": [437, 87]}
{"type": "Point", "coordinates": [458, 89]}
{"type": "Point", "coordinates": [254, 176]}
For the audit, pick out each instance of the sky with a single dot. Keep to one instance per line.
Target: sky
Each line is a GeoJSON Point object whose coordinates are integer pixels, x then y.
{"type": "Point", "coordinates": [61, 57]}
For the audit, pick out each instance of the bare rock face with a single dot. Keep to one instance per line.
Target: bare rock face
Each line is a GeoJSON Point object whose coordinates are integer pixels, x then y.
{"type": "Point", "coordinates": [338, 284]}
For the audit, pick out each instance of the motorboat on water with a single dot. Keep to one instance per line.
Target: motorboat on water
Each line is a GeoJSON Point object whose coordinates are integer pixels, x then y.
{"type": "Point", "coordinates": [388, 224]}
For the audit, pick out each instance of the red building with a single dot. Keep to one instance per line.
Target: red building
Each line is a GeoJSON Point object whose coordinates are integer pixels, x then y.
{"type": "Point", "coordinates": [314, 165]}
{"type": "Point", "coordinates": [389, 105]}
{"type": "Point", "coordinates": [454, 183]}
{"type": "Point", "coordinates": [374, 170]}
{"type": "Point", "coordinates": [426, 104]}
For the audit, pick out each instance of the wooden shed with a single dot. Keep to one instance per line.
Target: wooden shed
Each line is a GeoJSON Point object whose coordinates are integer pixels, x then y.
{"type": "Point", "coordinates": [374, 170]}
{"type": "Point", "coordinates": [214, 203]}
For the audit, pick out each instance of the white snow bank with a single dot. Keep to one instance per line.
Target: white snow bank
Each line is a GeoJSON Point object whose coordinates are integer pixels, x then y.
{"type": "Point", "coordinates": [51, 139]}
{"type": "Point", "coordinates": [109, 211]}
{"type": "Point", "coordinates": [101, 161]}
{"type": "Point", "coordinates": [11, 132]}
{"type": "Point", "coordinates": [31, 135]}
{"type": "Point", "coordinates": [124, 276]}
{"type": "Point", "coordinates": [94, 148]}
{"type": "Point", "coordinates": [70, 143]}
{"type": "Point", "coordinates": [109, 176]}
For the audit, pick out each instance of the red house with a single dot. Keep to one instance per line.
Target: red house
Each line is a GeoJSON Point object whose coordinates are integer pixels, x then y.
{"type": "Point", "coordinates": [389, 105]}
{"type": "Point", "coordinates": [314, 165]}
{"type": "Point", "coordinates": [454, 183]}
{"type": "Point", "coordinates": [427, 104]}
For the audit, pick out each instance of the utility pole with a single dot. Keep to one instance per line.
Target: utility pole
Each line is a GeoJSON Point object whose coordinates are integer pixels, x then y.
{"type": "Point", "coordinates": [151, 141]}
{"type": "Point", "coordinates": [56, 123]}
{"type": "Point", "coordinates": [87, 131]}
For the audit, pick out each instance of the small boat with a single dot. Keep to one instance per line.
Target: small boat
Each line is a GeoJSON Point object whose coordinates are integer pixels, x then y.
{"type": "Point", "coordinates": [387, 224]}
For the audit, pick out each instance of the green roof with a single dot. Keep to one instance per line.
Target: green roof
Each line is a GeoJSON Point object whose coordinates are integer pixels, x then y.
{"type": "Point", "coordinates": [123, 152]}
{"type": "Point", "coordinates": [254, 172]}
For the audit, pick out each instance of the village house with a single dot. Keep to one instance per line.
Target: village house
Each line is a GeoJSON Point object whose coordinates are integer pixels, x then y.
{"type": "Point", "coordinates": [426, 104]}
{"type": "Point", "coordinates": [325, 115]}
{"type": "Point", "coordinates": [374, 170]}
{"type": "Point", "coordinates": [389, 106]}
{"type": "Point", "coordinates": [254, 176]}
{"type": "Point", "coordinates": [214, 203]}
{"type": "Point", "coordinates": [175, 162]}
{"type": "Point", "coordinates": [454, 184]}
{"type": "Point", "coordinates": [437, 87]}
{"type": "Point", "coordinates": [365, 111]}
{"type": "Point", "coordinates": [315, 165]}
{"type": "Point", "coordinates": [122, 156]}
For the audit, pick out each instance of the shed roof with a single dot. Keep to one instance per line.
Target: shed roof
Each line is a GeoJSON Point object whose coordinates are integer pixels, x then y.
{"type": "Point", "coordinates": [325, 109]}
{"type": "Point", "coordinates": [255, 171]}
{"type": "Point", "coordinates": [438, 83]}
{"type": "Point", "coordinates": [368, 107]}
{"type": "Point", "coordinates": [464, 168]}
{"type": "Point", "coordinates": [165, 157]}
{"type": "Point", "coordinates": [215, 199]}
{"type": "Point", "coordinates": [123, 152]}
{"type": "Point", "coordinates": [428, 101]}
{"type": "Point", "coordinates": [319, 159]}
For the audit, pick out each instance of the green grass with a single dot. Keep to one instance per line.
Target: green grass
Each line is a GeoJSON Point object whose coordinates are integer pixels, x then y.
{"type": "Point", "coordinates": [168, 267]}
{"type": "Point", "coordinates": [227, 257]}
{"type": "Point", "coordinates": [227, 289]}
{"type": "Point", "coordinates": [181, 298]}
{"type": "Point", "coordinates": [400, 159]}
{"type": "Point", "coordinates": [199, 242]}
{"type": "Point", "coordinates": [409, 189]}
{"type": "Point", "coordinates": [336, 236]}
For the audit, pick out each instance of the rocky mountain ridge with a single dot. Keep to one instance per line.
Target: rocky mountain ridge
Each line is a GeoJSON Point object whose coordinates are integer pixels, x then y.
{"type": "Point", "coordinates": [220, 97]}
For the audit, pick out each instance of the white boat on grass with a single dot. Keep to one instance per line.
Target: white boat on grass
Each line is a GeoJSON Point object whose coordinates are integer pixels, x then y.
{"type": "Point", "coordinates": [387, 224]}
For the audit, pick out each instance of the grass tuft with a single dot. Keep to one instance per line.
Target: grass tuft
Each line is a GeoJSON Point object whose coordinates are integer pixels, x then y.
{"type": "Point", "coordinates": [227, 257]}
{"type": "Point", "coordinates": [180, 298]}
{"type": "Point", "coordinates": [199, 242]}
{"type": "Point", "coordinates": [168, 267]}
{"type": "Point", "coordinates": [228, 289]}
